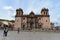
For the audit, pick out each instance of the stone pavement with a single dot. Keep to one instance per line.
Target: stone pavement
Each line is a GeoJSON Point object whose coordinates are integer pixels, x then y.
{"type": "Point", "coordinates": [13, 35]}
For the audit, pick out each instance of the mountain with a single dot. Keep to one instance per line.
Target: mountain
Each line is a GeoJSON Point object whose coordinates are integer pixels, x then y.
{"type": "Point", "coordinates": [7, 20]}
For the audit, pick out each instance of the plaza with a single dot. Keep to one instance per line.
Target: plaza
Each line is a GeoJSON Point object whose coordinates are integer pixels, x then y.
{"type": "Point", "coordinates": [13, 35]}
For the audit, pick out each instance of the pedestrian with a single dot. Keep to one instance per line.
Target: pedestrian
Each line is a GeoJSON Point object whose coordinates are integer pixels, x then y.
{"type": "Point", "coordinates": [18, 30]}
{"type": "Point", "coordinates": [5, 32]}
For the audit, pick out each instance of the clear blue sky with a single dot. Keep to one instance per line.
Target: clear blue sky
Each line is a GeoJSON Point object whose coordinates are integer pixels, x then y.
{"type": "Point", "coordinates": [8, 7]}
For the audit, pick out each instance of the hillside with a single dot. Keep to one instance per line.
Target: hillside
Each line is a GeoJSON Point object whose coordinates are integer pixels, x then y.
{"type": "Point", "coordinates": [7, 20]}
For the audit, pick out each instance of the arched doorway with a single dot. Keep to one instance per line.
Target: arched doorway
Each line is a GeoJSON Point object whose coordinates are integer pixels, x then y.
{"type": "Point", "coordinates": [31, 25]}
{"type": "Point", "coordinates": [40, 26]}
{"type": "Point", "coordinates": [23, 27]}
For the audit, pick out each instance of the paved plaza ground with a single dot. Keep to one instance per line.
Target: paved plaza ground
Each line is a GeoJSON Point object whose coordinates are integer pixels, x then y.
{"type": "Point", "coordinates": [13, 35]}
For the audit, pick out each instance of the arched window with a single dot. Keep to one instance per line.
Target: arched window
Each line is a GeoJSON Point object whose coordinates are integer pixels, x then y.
{"type": "Point", "coordinates": [44, 13]}
{"type": "Point", "coordinates": [23, 18]}
{"type": "Point", "coordinates": [39, 18]}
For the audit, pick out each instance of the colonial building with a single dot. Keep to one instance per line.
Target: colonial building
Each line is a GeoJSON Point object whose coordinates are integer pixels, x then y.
{"type": "Point", "coordinates": [32, 20]}
{"type": "Point", "coordinates": [6, 23]}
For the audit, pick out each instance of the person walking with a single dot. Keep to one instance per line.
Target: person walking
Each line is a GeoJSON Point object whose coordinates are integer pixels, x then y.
{"type": "Point", "coordinates": [5, 32]}
{"type": "Point", "coordinates": [18, 30]}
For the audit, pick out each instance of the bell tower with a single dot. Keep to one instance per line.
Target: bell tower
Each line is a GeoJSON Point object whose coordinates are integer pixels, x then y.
{"type": "Point", "coordinates": [45, 18]}
{"type": "Point", "coordinates": [44, 11]}
{"type": "Point", "coordinates": [19, 12]}
{"type": "Point", "coordinates": [18, 18]}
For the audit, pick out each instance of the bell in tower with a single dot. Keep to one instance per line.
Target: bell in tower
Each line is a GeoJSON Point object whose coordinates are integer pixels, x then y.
{"type": "Point", "coordinates": [44, 11]}
{"type": "Point", "coordinates": [19, 12]}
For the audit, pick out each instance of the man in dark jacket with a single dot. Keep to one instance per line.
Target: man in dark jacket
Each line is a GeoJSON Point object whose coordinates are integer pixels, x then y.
{"type": "Point", "coordinates": [18, 30]}
{"type": "Point", "coordinates": [5, 32]}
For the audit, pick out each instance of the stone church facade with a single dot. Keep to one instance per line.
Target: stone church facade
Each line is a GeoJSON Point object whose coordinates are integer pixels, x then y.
{"type": "Point", "coordinates": [32, 20]}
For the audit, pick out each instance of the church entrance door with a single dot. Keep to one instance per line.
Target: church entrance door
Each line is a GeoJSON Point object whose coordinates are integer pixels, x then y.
{"type": "Point", "coordinates": [31, 25]}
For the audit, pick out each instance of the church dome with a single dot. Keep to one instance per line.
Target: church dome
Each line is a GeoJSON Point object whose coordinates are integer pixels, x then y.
{"type": "Point", "coordinates": [44, 9]}
{"type": "Point", "coordinates": [19, 9]}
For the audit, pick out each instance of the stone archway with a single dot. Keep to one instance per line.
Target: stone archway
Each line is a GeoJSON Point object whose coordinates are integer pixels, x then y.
{"type": "Point", "coordinates": [40, 26]}
{"type": "Point", "coordinates": [23, 27]}
{"type": "Point", "coordinates": [31, 25]}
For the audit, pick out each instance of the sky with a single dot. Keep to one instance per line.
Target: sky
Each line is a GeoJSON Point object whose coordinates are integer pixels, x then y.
{"type": "Point", "coordinates": [8, 8]}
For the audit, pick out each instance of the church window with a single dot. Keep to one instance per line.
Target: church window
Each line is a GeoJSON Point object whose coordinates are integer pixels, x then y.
{"type": "Point", "coordinates": [17, 20]}
{"type": "Point", "coordinates": [17, 14]}
{"type": "Point", "coordinates": [23, 18]}
{"type": "Point", "coordinates": [39, 18]}
{"type": "Point", "coordinates": [44, 13]}
{"type": "Point", "coordinates": [31, 17]}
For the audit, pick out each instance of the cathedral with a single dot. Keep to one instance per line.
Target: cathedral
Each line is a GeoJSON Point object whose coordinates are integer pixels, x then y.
{"type": "Point", "coordinates": [32, 21]}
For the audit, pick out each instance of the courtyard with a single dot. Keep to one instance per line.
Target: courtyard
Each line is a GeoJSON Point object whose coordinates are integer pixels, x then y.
{"type": "Point", "coordinates": [13, 35]}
